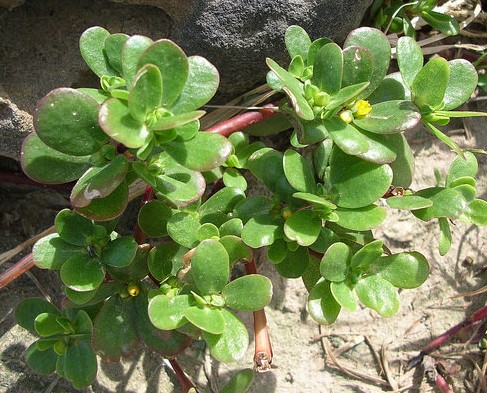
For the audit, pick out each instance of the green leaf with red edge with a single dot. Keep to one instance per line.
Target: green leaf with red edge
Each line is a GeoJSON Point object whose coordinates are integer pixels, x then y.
{"type": "Point", "coordinates": [322, 306]}
{"type": "Point", "coordinates": [378, 294]}
{"type": "Point", "coordinates": [164, 342]}
{"type": "Point", "coordinates": [109, 207]}
{"type": "Point", "coordinates": [390, 117]}
{"type": "Point", "coordinates": [232, 344]}
{"type": "Point", "coordinates": [236, 293]}
{"type": "Point", "coordinates": [200, 87]}
{"type": "Point", "coordinates": [117, 122]}
{"type": "Point", "coordinates": [28, 309]}
{"type": "Point", "coordinates": [207, 318]}
{"type": "Point", "coordinates": [80, 365]}
{"type": "Point", "coordinates": [131, 52]}
{"type": "Point", "coordinates": [49, 166]}
{"type": "Point", "coordinates": [82, 273]}
{"type": "Point", "coordinates": [357, 65]}
{"type": "Point", "coordinates": [328, 68]}
{"type": "Point", "coordinates": [357, 183]}
{"type": "Point", "coordinates": [113, 47]}
{"type": "Point", "coordinates": [51, 252]}
{"type": "Point", "coordinates": [145, 92]}
{"type": "Point", "coordinates": [67, 121]}
{"type": "Point", "coordinates": [430, 84]}
{"type": "Point", "coordinates": [114, 333]}
{"type": "Point", "coordinates": [92, 47]}
{"type": "Point", "coordinates": [173, 64]}
{"type": "Point", "coordinates": [99, 182]}
{"type": "Point", "coordinates": [210, 267]}
{"type": "Point", "coordinates": [378, 46]}
{"type": "Point", "coordinates": [204, 152]}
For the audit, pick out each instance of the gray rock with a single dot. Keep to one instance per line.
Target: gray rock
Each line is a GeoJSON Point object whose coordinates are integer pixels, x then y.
{"type": "Point", "coordinates": [15, 124]}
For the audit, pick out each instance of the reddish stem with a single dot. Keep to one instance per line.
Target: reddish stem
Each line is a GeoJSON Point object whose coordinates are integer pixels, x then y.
{"type": "Point", "coordinates": [442, 384]}
{"type": "Point", "coordinates": [244, 120]}
{"type": "Point", "coordinates": [19, 178]}
{"type": "Point", "coordinates": [16, 270]}
{"type": "Point", "coordinates": [263, 346]}
{"type": "Point", "coordinates": [185, 382]}
{"type": "Point", "coordinates": [438, 342]}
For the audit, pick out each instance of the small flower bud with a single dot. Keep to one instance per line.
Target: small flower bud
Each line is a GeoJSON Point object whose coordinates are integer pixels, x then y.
{"type": "Point", "coordinates": [346, 116]}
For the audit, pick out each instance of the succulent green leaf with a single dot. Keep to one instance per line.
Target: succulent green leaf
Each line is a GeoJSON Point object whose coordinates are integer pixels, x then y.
{"type": "Point", "coordinates": [461, 84]}
{"type": "Point", "coordinates": [294, 90]}
{"type": "Point", "coordinates": [357, 65]}
{"type": "Point", "coordinates": [120, 252]}
{"type": "Point", "coordinates": [240, 382]}
{"type": "Point", "coordinates": [219, 205]}
{"type": "Point", "coordinates": [368, 254]}
{"type": "Point", "coordinates": [277, 251]}
{"type": "Point", "coordinates": [444, 240]}
{"type": "Point", "coordinates": [82, 273]}
{"type": "Point", "coordinates": [92, 47]}
{"type": "Point", "coordinates": [231, 227]}
{"type": "Point", "coordinates": [476, 212]}
{"type": "Point", "coordinates": [297, 41]}
{"type": "Point", "coordinates": [114, 334]}
{"type": "Point", "coordinates": [343, 293]}
{"type": "Point", "coordinates": [145, 92]}
{"type": "Point", "coordinates": [131, 53]}
{"type": "Point", "coordinates": [444, 23]}
{"type": "Point", "coordinates": [261, 230]}
{"type": "Point", "coordinates": [109, 207]}
{"type": "Point", "coordinates": [392, 87]}
{"type": "Point", "coordinates": [42, 362]}
{"type": "Point", "coordinates": [170, 122]}
{"type": "Point", "coordinates": [202, 153]}
{"type": "Point", "coordinates": [322, 305]}
{"type": "Point", "coordinates": [232, 344]}
{"type": "Point", "coordinates": [117, 122]}
{"type": "Point", "coordinates": [46, 324]}
{"type": "Point", "coordinates": [80, 365]}
{"type": "Point", "coordinates": [251, 207]}
{"type": "Point", "coordinates": [236, 293]}
{"type": "Point", "coordinates": [467, 191]}
{"type": "Point", "coordinates": [173, 64]}
{"type": "Point", "coordinates": [409, 58]}
{"type": "Point", "coordinates": [29, 308]}
{"type": "Point", "coordinates": [326, 238]}
{"type": "Point", "coordinates": [49, 166]}
{"type": "Point", "coordinates": [446, 203]}
{"type": "Point", "coordinates": [295, 263]}
{"type": "Point", "coordinates": [166, 260]}
{"type": "Point", "coordinates": [183, 227]}
{"type": "Point", "coordinates": [408, 202]}
{"type": "Point", "coordinates": [113, 49]}
{"type": "Point", "coordinates": [210, 267]}
{"type": "Point", "coordinates": [403, 165]}
{"type": "Point", "coordinates": [346, 136]}
{"type": "Point", "coordinates": [403, 270]}
{"type": "Point", "coordinates": [430, 84]}
{"type": "Point", "coordinates": [378, 46]}
{"type": "Point", "coordinates": [317, 201]}
{"type": "Point", "coordinates": [357, 183]}
{"type": "Point", "coordinates": [444, 138]}
{"type": "Point", "coordinates": [208, 231]}
{"type": "Point", "coordinates": [51, 252]}
{"type": "Point", "coordinates": [299, 172]}
{"type": "Point", "coordinates": [200, 87]}
{"type": "Point", "coordinates": [379, 295]}
{"type": "Point", "coordinates": [296, 67]}
{"type": "Point", "coordinates": [67, 120]}
{"type": "Point", "coordinates": [99, 182]}
{"type": "Point", "coordinates": [328, 68]}
{"type": "Point", "coordinates": [362, 218]}
{"type": "Point", "coordinates": [206, 318]}
{"type": "Point", "coordinates": [167, 313]}
{"type": "Point", "coordinates": [315, 47]}
{"type": "Point", "coordinates": [153, 217]}
{"type": "Point", "coordinates": [461, 167]}
{"type": "Point", "coordinates": [77, 230]}
{"type": "Point", "coordinates": [303, 227]}
{"type": "Point", "coordinates": [346, 95]}
{"type": "Point", "coordinates": [237, 250]}
{"type": "Point", "coordinates": [336, 261]}
{"type": "Point", "coordinates": [310, 132]}
{"type": "Point", "coordinates": [382, 147]}
{"type": "Point", "coordinates": [390, 117]}
{"type": "Point", "coordinates": [233, 178]}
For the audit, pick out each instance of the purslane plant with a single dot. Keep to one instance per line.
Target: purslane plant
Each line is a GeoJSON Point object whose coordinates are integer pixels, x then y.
{"type": "Point", "coordinates": [350, 163]}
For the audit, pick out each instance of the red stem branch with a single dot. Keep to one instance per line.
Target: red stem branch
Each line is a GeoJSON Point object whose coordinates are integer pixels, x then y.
{"type": "Point", "coordinates": [263, 346]}
{"type": "Point", "coordinates": [185, 382]}
{"type": "Point", "coordinates": [239, 122]}
{"type": "Point", "coordinates": [16, 270]}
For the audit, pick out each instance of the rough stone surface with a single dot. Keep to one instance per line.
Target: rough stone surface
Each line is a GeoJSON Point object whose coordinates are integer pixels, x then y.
{"type": "Point", "coordinates": [39, 38]}
{"type": "Point", "coordinates": [15, 124]}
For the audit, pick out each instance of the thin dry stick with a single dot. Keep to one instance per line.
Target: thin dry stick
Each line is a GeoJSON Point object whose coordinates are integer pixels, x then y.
{"type": "Point", "coordinates": [39, 286]}
{"type": "Point", "coordinates": [387, 370]}
{"type": "Point", "coordinates": [348, 346]}
{"type": "Point", "coordinates": [482, 386]}
{"type": "Point", "coordinates": [375, 354]}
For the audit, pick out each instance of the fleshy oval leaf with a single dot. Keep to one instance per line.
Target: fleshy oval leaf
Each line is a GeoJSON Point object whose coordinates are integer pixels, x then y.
{"type": "Point", "coordinates": [236, 292]}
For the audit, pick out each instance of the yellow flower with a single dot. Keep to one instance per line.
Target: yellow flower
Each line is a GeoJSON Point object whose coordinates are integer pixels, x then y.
{"type": "Point", "coordinates": [346, 116]}
{"type": "Point", "coordinates": [361, 108]}
{"type": "Point", "coordinates": [133, 289]}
